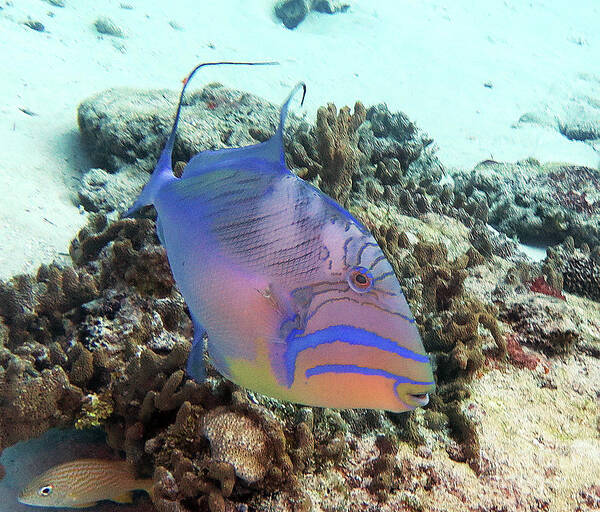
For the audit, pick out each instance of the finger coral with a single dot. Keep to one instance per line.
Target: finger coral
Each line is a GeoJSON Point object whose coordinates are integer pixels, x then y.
{"type": "Point", "coordinates": [337, 142]}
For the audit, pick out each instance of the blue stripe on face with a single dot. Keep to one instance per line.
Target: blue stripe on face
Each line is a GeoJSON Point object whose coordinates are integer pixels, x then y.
{"type": "Point", "coordinates": [383, 276]}
{"type": "Point", "coordinates": [344, 334]}
{"type": "Point", "coordinates": [361, 370]}
{"type": "Point", "coordinates": [362, 250]}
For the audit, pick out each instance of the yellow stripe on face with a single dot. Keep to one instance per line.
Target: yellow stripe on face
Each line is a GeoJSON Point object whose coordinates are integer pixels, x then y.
{"type": "Point", "coordinates": [342, 386]}
{"type": "Point", "coordinates": [257, 373]}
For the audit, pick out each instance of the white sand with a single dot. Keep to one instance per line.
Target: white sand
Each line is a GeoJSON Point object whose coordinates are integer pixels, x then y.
{"type": "Point", "coordinates": [422, 57]}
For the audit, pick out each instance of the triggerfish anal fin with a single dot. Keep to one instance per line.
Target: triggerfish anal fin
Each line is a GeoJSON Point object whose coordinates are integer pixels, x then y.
{"type": "Point", "coordinates": [163, 172]}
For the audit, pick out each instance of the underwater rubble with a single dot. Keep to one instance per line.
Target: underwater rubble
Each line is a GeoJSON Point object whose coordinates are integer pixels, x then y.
{"type": "Point", "coordinates": [515, 344]}
{"type": "Point", "coordinates": [538, 203]}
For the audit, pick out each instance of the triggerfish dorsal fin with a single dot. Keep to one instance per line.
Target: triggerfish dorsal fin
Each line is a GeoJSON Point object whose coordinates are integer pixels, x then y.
{"type": "Point", "coordinates": [163, 172]}
{"type": "Point", "coordinates": [255, 156]}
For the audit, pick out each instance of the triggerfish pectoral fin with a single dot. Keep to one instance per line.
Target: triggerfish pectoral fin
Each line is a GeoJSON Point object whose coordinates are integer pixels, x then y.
{"type": "Point", "coordinates": [196, 364]}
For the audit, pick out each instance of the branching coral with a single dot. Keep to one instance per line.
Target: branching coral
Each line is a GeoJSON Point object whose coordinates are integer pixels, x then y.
{"type": "Point", "coordinates": [337, 142]}
{"type": "Point", "coordinates": [393, 136]}
{"type": "Point", "coordinates": [33, 307]}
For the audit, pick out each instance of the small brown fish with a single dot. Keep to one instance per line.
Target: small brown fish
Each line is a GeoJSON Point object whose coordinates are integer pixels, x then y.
{"type": "Point", "coordinates": [81, 483]}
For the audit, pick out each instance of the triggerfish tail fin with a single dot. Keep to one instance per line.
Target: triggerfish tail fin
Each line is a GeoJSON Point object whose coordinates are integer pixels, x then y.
{"type": "Point", "coordinates": [196, 364]}
{"type": "Point", "coordinates": [163, 172]}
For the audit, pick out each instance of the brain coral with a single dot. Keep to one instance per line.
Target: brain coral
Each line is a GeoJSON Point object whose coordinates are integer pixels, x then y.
{"type": "Point", "coordinates": [238, 440]}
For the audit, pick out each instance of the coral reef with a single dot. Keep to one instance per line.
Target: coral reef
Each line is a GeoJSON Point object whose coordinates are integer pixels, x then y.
{"type": "Point", "coordinates": [104, 343]}
{"type": "Point", "coordinates": [360, 157]}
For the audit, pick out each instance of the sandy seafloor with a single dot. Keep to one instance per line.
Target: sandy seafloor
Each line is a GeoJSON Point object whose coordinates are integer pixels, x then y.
{"type": "Point", "coordinates": [430, 59]}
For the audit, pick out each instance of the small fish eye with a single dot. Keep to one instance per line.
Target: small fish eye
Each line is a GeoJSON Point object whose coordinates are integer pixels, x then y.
{"type": "Point", "coordinates": [360, 279]}
{"type": "Point", "coordinates": [46, 490]}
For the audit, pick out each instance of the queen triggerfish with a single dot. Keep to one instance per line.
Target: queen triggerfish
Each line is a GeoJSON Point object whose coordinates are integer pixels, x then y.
{"type": "Point", "coordinates": [82, 483]}
{"type": "Point", "coordinates": [295, 296]}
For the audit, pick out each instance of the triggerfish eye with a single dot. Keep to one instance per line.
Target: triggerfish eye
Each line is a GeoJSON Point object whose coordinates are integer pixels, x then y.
{"type": "Point", "coordinates": [360, 279]}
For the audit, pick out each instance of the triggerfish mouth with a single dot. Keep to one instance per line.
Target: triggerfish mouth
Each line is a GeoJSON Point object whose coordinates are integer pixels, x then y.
{"type": "Point", "coordinates": [297, 299]}
{"type": "Point", "coordinates": [82, 483]}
